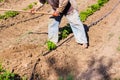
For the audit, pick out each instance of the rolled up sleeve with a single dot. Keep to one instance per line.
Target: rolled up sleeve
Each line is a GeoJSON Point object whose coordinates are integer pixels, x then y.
{"type": "Point", "coordinates": [62, 5]}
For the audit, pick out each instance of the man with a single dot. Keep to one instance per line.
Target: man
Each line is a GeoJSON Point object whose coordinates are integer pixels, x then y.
{"type": "Point", "coordinates": [66, 8]}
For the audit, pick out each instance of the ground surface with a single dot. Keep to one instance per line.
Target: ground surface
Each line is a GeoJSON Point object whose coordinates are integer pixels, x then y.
{"type": "Point", "coordinates": [19, 48]}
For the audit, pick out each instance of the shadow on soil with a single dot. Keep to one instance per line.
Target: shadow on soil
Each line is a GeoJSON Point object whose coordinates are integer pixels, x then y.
{"type": "Point", "coordinates": [63, 69]}
{"type": "Point", "coordinates": [67, 68]}
{"type": "Point", "coordinates": [97, 70]}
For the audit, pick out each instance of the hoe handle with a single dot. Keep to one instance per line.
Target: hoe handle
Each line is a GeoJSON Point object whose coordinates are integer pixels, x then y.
{"type": "Point", "coordinates": [26, 11]}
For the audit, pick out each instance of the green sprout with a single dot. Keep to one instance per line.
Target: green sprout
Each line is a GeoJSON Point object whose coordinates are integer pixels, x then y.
{"type": "Point", "coordinates": [51, 45]}
{"type": "Point", "coordinates": [65, 31]}
{"type": "Point", "coordinates": [91, 9]}
{"type": "Point", "coordinates": [30, 6]}
{"type": "Point", "coordinates": [8, 14]}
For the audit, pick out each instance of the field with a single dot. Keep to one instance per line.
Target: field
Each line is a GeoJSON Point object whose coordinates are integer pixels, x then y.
{"type": "Point", "coordinates": [23, 44]}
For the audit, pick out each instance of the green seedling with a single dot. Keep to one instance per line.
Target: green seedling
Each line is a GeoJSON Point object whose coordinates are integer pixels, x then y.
{"type": "Point", "coordinates": [84, 14]}
{"type": "Point", "coordinates": [64, 32]}
{"type": "Point", "coordinates": [91, 9]}
{"type": "Point", "coordinates": [30, 6]}
{"type": "Point", "coordinates": [102, 2]}
{"type": "Point", "coordinates": [95, 7]}
{"type": "Point", "coordinates": [51, 45]}
{"type": "Point", "coordinates": [6, 75]}
{"type": "Point", "coordinates": [9, 14]}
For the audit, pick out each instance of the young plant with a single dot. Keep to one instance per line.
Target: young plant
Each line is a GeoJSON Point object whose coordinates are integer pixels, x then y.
{"type": "Point", "coordinates": [6, 75]}
{"type": "Point", "coordinates": [30, 6]}
{"type": "Point", "coordinates": [91, 9]}
{"type": "Point", "coordinates": [102, 2]}
{"type": "Point", "coordinates": [8, 14]}
{"type": "Point", "coordinates": [95, 7]}
{"type": "Point", "coordinates": [84, 14]}
{"type": "Point", "coordinates": [51, 45]}
{"type": "Point", "coordinates": [65, 31]}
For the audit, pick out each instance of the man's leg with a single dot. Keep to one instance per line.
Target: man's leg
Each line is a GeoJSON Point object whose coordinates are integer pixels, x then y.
{"type": "Point", "coordinates": [53, 29]}
{"type": "Point", "coordinates": [77, 27]}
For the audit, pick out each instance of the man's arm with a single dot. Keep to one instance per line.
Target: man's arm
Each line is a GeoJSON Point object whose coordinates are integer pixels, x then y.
{"type": "Point", "coordinates": [62, 5]}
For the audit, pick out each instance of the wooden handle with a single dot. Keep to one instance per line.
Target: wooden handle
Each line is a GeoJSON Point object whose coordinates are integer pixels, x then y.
{"type": "Point", "coordinates": [26, 11]}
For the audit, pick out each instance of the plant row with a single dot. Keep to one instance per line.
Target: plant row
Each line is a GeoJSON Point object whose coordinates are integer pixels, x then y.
{"type": "Point", "coordinates": [91, 9]}
{"type": "Point", "coordinates": [8, 14]}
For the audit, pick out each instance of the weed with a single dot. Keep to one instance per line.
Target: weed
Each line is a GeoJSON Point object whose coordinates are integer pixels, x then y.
{"type": "Point", "coordinates": [51, 45]}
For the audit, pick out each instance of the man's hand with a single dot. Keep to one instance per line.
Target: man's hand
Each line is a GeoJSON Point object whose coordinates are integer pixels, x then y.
{"type": "Point", "coordinates": [36, 7]}
{"type": "Point", "coordinates": [55, 14]}
{"type": "Point", "coordinates": [33, 10]}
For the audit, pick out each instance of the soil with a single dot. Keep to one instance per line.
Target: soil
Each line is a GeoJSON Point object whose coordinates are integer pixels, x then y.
{"type": "Point", "coordinates": [23, 45]}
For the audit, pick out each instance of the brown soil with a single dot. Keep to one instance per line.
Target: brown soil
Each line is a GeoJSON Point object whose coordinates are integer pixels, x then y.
{"type": "Point", "coordinates": [23, 38]}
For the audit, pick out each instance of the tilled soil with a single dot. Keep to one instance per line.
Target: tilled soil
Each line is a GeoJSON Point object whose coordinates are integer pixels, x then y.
{"type": "Point", "coordinates": [23, 43]}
